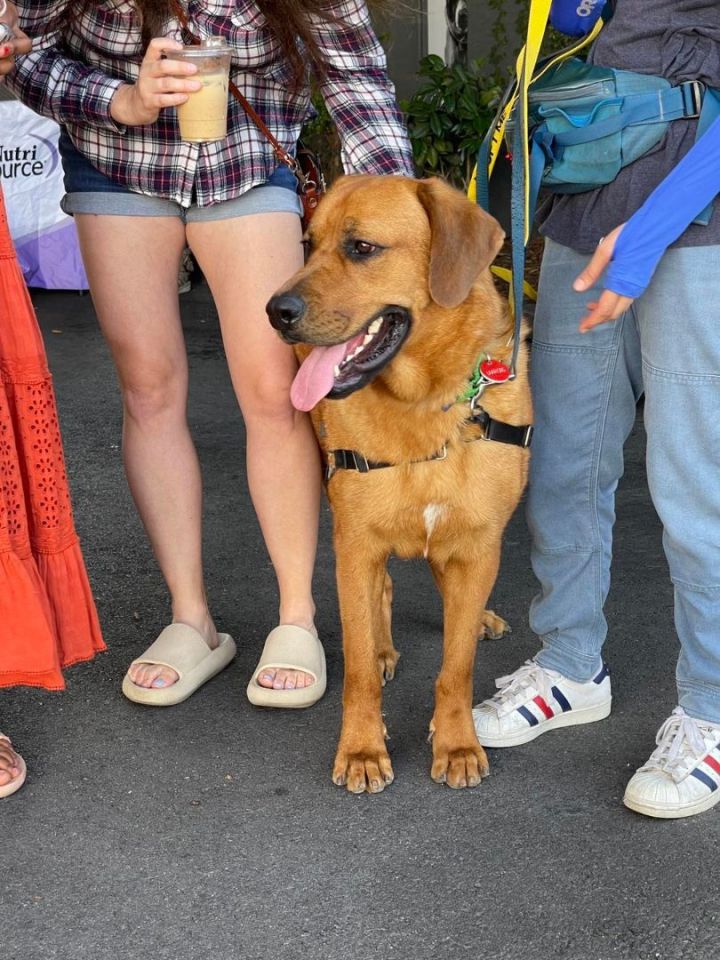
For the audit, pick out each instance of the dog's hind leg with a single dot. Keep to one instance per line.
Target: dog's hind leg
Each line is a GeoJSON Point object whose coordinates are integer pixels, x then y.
{"type": "Point", "coordinates": [458, 758]}
{"type": "Point", "coordinates": [362, 762]}
{"type": "Point", "coordinates": [388, 656]}
{"type": "Point", "coordinates": [492, 626]}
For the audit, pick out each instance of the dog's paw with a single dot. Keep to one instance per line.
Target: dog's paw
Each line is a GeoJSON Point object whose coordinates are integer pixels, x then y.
{"type": "Point", "coordinates": [387, 662]}
{"type": "Point", "coordinates": [493, 626]}
{"type": "Point", "coordinates": [363, 771]}
{"type": "Point", "coordinates": [459, 767]}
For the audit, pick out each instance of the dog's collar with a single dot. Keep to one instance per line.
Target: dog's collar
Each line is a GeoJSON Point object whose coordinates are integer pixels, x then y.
{"type": "Point", "coordinates": [487, 372]}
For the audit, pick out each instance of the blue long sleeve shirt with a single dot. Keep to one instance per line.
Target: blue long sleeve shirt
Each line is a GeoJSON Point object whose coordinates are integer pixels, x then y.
{"type": "Point", "coordinates": [665, 215]}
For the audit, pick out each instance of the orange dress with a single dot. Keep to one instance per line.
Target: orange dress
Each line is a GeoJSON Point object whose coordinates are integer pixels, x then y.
{"type": "Point", "coordinates": [47, 612]}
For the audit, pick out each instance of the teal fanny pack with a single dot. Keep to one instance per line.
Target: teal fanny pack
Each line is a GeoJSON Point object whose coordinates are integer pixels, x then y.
{"type": "Point", "coordinates": [587, 122]}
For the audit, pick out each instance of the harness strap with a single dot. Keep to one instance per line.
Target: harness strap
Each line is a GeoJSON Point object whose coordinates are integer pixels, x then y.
{"type": "Point", "coordinates": [501, 432]}
{"type": "Point", "coordinates": [354, 460]}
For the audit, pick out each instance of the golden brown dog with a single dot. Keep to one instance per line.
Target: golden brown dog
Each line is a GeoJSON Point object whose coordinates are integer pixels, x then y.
{"type": "Point", "coordinates": [397, 300]}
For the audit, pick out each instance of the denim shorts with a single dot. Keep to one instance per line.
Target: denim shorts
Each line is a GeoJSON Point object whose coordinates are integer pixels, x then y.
{"type": "Point", "coordinates": [90, 191]}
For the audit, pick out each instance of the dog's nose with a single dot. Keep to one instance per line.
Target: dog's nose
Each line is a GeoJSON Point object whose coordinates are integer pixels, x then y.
{"type": "Point", "coordinates": [285, 310]}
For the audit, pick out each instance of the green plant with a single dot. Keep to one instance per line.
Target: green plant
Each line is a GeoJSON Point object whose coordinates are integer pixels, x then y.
{"type": "Point", "coordinates": [448, 116]}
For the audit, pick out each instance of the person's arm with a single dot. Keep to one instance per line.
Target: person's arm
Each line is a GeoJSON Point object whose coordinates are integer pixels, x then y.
{"type": "Point", "coordinates": [54, 85]}
{"type": "Point", "coordinates": [359, 95]}
{"type": "Point", "coordinates": [634, 249]}
{"type": "Point", "coordinates": [68, 91]}
{"type": "Point", "coordinates": [15, 46]}
{"type": "Point", "coordinates": [575, 18]}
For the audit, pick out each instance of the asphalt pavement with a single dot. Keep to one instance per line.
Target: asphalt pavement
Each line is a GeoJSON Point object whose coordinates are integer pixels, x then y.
{"type": "Point", "coordinates": [212, 829]}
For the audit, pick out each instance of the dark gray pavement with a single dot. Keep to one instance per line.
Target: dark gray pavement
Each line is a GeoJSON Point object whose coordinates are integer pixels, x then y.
{"type": "Point", "coordinates": [212, 829]}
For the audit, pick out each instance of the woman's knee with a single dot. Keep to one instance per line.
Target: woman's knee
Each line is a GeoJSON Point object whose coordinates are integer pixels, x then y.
{"type": "Point", "coordinates": [154, 394]}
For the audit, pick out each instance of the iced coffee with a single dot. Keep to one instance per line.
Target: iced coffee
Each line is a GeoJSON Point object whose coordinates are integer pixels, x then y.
{"type": "Point", "coordinates": [203, 116]}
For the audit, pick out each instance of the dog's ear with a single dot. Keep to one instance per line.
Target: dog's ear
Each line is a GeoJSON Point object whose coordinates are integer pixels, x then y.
{"type": "Point", "coordinates": [464, 241]}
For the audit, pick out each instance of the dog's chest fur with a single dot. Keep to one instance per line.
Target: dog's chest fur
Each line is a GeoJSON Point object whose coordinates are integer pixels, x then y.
{"type": "Point", "coordinates": [424, 508]}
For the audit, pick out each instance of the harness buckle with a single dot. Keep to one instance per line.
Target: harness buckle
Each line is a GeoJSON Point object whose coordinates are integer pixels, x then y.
{"type": "Point", "coordinates": [331, 466]}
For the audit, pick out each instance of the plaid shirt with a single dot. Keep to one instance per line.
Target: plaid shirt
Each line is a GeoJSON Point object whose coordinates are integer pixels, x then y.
{"type": "Point", "coordinates": [104, 50]}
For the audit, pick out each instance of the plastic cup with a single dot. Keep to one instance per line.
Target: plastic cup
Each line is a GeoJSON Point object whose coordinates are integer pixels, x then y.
{"type": "Point", "coordinates": [203, 116]}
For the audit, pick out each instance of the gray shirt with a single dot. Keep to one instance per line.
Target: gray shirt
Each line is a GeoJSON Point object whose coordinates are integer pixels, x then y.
{"type": "Point", "coordinates": [676, 39]}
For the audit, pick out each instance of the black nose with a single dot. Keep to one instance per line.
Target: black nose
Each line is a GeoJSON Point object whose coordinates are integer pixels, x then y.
{"type": "Point", "coordinates": [285, 311]}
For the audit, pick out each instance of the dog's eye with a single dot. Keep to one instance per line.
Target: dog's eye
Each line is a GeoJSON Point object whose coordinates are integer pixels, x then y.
{"type": "Point", "coordinates": [363, 249]}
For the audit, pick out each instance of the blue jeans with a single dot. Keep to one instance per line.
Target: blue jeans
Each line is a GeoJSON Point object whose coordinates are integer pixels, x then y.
{"type": "Point", "coordinates": [585, 389]}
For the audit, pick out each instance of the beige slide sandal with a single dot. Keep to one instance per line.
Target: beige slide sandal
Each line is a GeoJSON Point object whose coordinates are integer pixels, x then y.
{"type": "Point", "coordinates": [290, 648]}
{"type": "Point", "coordinates": [184, 650]}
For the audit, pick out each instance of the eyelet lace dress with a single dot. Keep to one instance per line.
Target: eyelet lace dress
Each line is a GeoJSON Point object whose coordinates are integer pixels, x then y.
{"type": "Point", "coordinates": [47, 612]}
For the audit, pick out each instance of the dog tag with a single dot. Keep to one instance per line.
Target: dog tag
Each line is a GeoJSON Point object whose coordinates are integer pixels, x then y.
{"type": "Point", "coordinates": [494, 370]}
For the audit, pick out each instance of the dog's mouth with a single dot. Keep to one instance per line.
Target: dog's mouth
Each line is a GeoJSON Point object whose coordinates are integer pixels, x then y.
{"type": "Point", "coordinates": [342, 368]}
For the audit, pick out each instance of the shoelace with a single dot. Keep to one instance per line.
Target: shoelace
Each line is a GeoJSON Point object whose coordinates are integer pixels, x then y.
{"type": "Point", "coordinates": [513, 688]}
{"type": "Point", "coordinates": [681, 742]}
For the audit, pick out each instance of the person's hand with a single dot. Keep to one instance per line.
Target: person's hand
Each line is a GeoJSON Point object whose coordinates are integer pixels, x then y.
{"type": "Point", "coordinates": [18, 45]}
{"type": "Point", "coordinates": [611, 305]}
{"type": "Point", "coordinates": [162, 83]}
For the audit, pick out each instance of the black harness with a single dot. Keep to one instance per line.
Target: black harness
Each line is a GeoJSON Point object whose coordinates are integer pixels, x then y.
{"type": "Point", "coordinates": [497, 430]}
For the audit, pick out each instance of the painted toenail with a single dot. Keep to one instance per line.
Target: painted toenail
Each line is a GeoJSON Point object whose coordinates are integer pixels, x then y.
{"type": "Point", "coordinates": [159, 682]}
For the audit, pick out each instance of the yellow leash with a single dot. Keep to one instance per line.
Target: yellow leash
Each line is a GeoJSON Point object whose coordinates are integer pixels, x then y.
{"type": "Point", "coordinates": [515, 102]}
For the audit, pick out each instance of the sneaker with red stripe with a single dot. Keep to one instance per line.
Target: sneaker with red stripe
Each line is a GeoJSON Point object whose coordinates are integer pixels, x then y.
{"type": "Point", "coordinates": [682, 776]}
{"type": "Point", "coordinates": [533, 700]}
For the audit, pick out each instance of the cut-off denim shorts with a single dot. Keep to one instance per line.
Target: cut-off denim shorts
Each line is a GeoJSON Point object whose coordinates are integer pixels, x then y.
{"type": "Point", "coordinates": [87, 190]}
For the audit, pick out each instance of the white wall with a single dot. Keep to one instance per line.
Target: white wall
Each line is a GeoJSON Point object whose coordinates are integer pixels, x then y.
{"type": "Point", "coordinates": [436, 29]}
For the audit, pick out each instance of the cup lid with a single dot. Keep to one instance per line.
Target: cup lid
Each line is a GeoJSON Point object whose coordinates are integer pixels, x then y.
{"type": "Point", "coordinates": [207, 46]}
{"type": "Point", "coordinates": [213, 43]}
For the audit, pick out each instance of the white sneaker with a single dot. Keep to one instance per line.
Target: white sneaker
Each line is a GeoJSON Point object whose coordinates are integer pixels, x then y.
{"type": "Point", "coordinates": [533, 700]}
{"type": "Point", "coordinates": [682, 776]}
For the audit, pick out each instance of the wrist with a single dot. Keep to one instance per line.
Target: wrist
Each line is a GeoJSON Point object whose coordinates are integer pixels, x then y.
{"type": "Point", "coordinates": [125, 108]}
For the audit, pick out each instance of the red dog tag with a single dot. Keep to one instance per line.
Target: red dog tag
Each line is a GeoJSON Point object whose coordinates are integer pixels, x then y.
{"type": "Point", "coordinates": [494, 370]}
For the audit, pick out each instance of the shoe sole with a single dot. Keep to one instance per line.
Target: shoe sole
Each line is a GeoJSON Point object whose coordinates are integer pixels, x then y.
{"type": "Point", "coordinates": [672, 813]}
{"type": "Point", "coordinates": [570, 719]}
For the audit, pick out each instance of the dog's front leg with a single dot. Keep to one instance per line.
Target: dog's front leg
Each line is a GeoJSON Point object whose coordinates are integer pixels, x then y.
{"type": "Point", "coordinates": [458, 758]}
{"type": "Point", "coordinates": [362, 761]}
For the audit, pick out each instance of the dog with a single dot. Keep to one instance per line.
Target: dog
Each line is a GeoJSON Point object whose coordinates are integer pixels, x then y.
{"type": "Point", "coordinates": [396, 320]}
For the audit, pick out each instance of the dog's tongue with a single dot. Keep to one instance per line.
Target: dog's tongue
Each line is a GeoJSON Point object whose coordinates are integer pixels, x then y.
{"type": "Point", "coordinates": [314, 379]}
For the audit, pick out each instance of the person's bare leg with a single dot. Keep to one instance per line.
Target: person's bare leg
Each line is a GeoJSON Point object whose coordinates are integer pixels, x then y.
{"type": "Point", "coordinates": [245, 260]}
{"type": "Point", "coordinates": [132, 264]}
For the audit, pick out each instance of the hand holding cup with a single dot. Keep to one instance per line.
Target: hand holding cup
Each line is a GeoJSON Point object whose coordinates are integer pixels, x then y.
{"type": "Point", "coordinates": [163, 82]}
